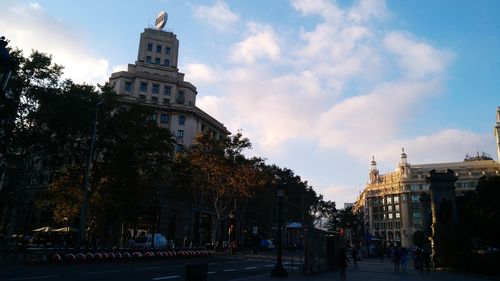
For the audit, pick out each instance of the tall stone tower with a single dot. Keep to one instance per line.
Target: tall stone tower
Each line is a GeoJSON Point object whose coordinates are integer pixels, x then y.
{"type": "Point", "coordinates": [374, 173]}
{"type": "Point", "coordinates": [444, 214]}
{"type": "Point", "coordinates": [497, 133]}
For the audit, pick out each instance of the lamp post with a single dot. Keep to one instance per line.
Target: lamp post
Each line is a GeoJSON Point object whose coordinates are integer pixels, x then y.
{"type": "Point", "coordinates": [5, 64]}
{"type": "Point", "coordinates": [278, 270]}
{"type": "Point", "coordinates": [83, 210]}
{"type": "Point", "coordinates": [5, 72]}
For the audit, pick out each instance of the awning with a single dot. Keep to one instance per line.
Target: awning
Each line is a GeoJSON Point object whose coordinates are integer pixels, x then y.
{"type": "Point", "coordinates": [65, 229]}
{"type": "Point", "coordinates": [43, 229]}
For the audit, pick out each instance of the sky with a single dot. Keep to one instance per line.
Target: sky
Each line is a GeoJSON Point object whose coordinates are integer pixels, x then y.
{"type": "Point", "coordinates": [318, 86]}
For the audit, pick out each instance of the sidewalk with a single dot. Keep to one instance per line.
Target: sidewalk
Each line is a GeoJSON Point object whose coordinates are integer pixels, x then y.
{"type": "Point", "coordinates": [375, 269]}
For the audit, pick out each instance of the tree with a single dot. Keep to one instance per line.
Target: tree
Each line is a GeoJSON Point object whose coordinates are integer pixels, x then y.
{"type": "Point", "coordinates": [136, 163]}
{"type": "Point", "coordinates": [479, 212]}
{"type": "Point", "coordinates": [21, 139]}
{"type": "Point", "coordinates": [132, 159]}
{"type": "Point", "coordinates": [223, 174]}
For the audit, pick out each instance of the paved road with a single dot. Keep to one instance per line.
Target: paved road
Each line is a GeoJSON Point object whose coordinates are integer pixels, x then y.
{"type": "Point", "coordinates": [377, 270]}
{"type": "Point", "coordinates": [231, 268]}
{"type": "Point", "coordinates": [219, 268]}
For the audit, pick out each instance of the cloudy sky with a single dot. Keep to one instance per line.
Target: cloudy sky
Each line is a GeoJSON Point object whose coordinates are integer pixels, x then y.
{"type": "Point", "coordinates": [318, 86]}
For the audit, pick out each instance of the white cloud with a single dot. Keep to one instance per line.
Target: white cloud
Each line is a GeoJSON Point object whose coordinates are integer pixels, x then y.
{"type": "Point", "coordinates": [368, 9]}
{"type": "Point", "coordinates": [345, 85]}
{"type": "Point", "coordinates": [324, 8]}
{"type": "Point", "coordinates": [417, 59]}
{"type": "Point", "coordinates": [218, 15]}
{"type": "Point", "coordinates": [201, 73]}
{"type": "Point", "coordinates": [30, 27]}
{"type": "Point", "coordinates": [117, 68]}
{"type": "Point", "coordinates": [211, 104]}
{"type": "Point", "coordinates": [261, 44]}
{"type": "Point", "coordinates": [448, 145]}
{"type": "Point", "coordinates": [340, 194]}
{"type": "Point", "coordinates": [369, 120]}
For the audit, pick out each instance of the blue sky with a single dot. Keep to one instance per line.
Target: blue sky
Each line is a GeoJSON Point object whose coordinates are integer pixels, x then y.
{"type": "Point", "coordinates": [318, 86]}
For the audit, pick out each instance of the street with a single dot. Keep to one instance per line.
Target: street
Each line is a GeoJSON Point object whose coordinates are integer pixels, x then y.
{"type": "Point", "coordinates": [219, 268]}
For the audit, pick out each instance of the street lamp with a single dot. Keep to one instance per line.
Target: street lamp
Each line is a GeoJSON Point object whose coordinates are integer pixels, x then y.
{"type": "Point", "coordinates": [83, 210]}
{"type": "Point", "coordinates": [6, 67]}
{"type": "Point", "coordinates": [278, 270]}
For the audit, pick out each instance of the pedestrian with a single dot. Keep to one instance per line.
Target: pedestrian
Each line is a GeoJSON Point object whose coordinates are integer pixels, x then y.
{"type": "Point", "coordinates": [355, 256]}
{"type": "Point", "coordinates": [403, 256]}
{"type": "Point", "coordinates": [396, 258]}
{"type": "Point", "coordinates": [343, 261]}
{"type": "Point", "coordinates": [417, 258]}
{"type": "Point", "coordinates": [427, 259]}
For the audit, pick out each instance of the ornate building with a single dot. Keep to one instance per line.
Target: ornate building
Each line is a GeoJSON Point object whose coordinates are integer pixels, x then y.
{"type": "Point", "coordinates": [390, 203]}
{"type": "Point", "coordinates": [154, 80]}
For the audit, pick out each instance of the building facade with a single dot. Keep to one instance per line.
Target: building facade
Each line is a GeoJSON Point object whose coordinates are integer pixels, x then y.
{"type": "Point", "coordinates": [155, 80]}
{"type": "Point", "coordinates": [390, 203]}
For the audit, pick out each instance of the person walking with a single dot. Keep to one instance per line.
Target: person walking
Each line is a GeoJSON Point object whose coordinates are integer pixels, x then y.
{"type": "Point", "coordinates": [343, 261]}
{"type": "Point", "coordinates": [355, 256]}
{"type": "Point", "coordinates": [396, 258]}
{"type": "Point", "coordinates": [427, 259]}
{"type": "Point", "coordinates": [403, 256]}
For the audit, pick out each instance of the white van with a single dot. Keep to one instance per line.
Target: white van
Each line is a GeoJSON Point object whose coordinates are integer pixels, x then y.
{"type": "Point", "coordinates": [145, 241]}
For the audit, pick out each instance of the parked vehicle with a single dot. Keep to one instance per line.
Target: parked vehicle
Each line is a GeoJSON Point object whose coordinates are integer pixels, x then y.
{"type": "Point", "coordinates": [160, 241]}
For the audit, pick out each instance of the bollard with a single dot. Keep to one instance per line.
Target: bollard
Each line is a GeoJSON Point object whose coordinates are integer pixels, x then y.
{"type": "Point", "coordinates": [196, 272]}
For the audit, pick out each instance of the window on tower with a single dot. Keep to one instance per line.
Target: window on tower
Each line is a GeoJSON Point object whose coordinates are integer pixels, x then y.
{"type": "Point", "coordinates": [158, 48]}
{"type": "Point", "coordinates": [416, 215]}
{"type": "Point", "coordinates": [156, 89]}
{"type": "Point", "coordinates": [164, 118]}
{"type": "Point", "coordinates": [157, 60]}
{"type": "Point", "coordinates": [180, 97]}
{"type": "Point", "coordinates": [180, 134]}
{"type": "Point", "coordinates": [166, 90]}
{"type": "Point", "coordinates": [144, 87]}
{"type": "Point", "coordinates": [128, 86]}
{"type": "Point", "coordinates": [167, 50]}
{"type": "Point", "coordinates": [148, 59]}
{"type": "Point", "coordinates": [150, 47]}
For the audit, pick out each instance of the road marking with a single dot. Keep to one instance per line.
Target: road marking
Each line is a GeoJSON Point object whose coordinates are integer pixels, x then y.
{"type": "Point", "coordinates": [211, 272]}
{"type": "Point", "coordinates": [251, 267]}
{"type": "Point", "coordinates": [229, 270]}
{"type": "Point", "coordinates": [166, 277]}
{"type": "Point", "coordinates": [269, 265]}
{"type": "Point", "coordinates": [148, 268]}
{"type": "Point", "coordinates": [250, 277]}
{"type": "Point", "coordinates": [36, 277]}
{"type": "Point", "coordinates": [101, 272]}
